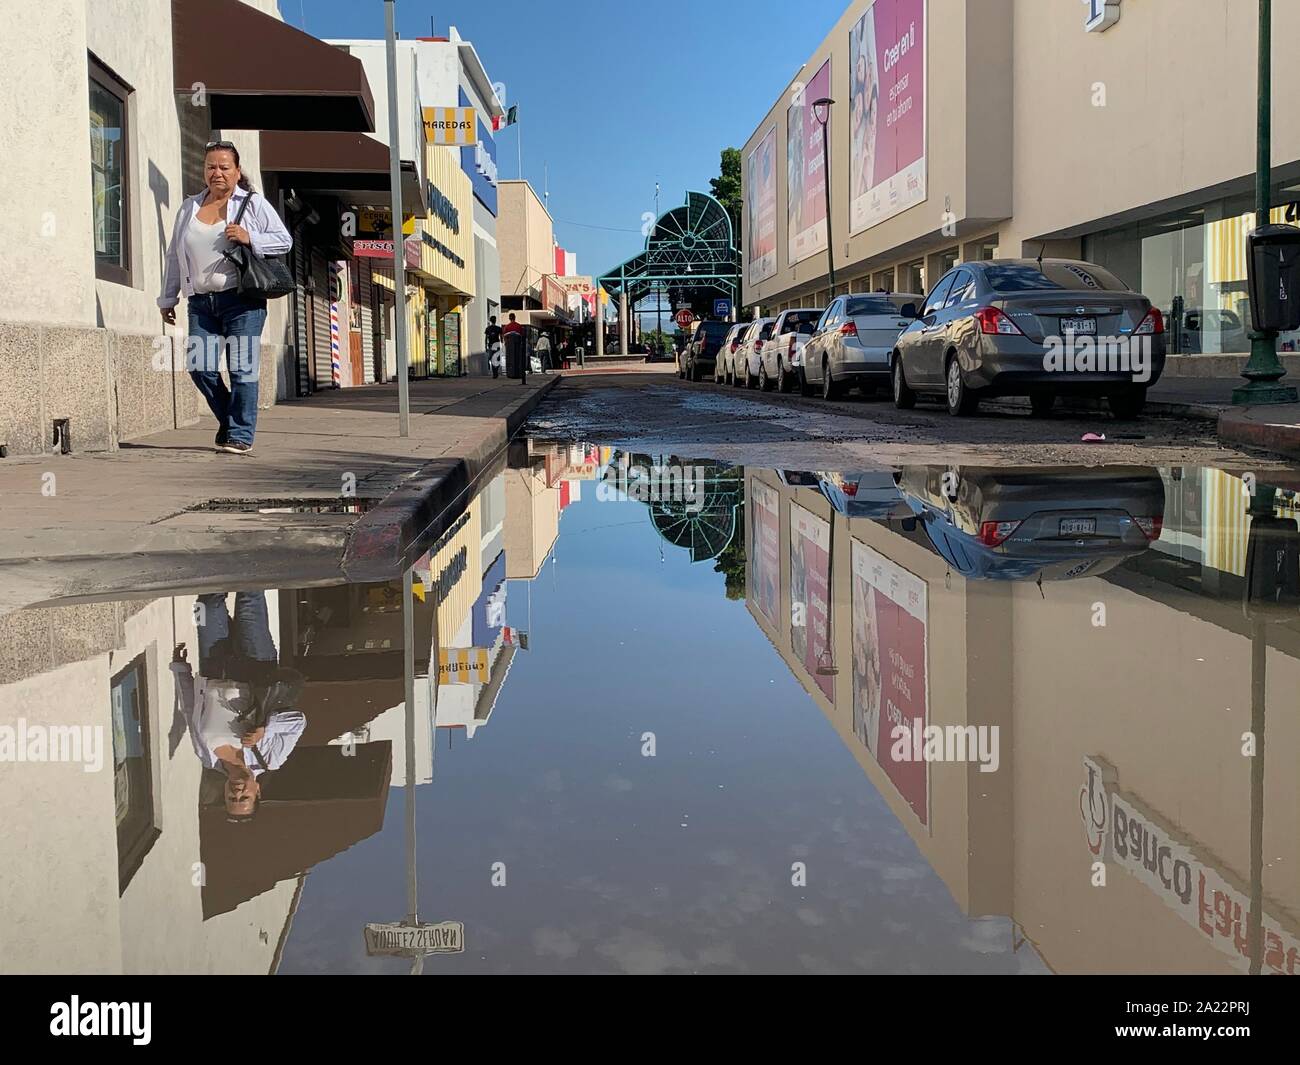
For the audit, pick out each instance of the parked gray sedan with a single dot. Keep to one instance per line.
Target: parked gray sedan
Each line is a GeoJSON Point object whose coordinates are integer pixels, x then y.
{"type": "Point", "coordinates": [1036, 328]}
{"type": "Point", "coordinates": [854, 341]}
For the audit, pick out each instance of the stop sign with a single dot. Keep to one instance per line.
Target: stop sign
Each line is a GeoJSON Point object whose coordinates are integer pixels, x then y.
{"type": "Point", "coordinates": [685, 317]}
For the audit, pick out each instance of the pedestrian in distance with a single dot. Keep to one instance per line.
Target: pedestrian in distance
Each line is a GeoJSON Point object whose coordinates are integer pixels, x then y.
{"type": "Point", "coordinates": [208, 227]}
{"type": "Point", "coordinates": [492, 341]}
{"type": "Point", "coordinates": [544, 352]}
{"type": "Point", "coordinates": [514, 338]}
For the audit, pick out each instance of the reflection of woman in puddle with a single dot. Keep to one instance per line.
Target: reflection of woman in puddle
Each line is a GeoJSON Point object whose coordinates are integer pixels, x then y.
{"type": "Point", "coordinates": [233, 726]}
{"type": "Point", "coordinates": [866, 664]}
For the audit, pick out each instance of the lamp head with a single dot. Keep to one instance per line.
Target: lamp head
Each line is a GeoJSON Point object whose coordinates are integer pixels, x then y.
{"type": "Point", "coordinates": [822, 109]}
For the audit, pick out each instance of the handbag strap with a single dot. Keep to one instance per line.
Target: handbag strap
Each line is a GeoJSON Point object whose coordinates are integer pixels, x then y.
{"type": "Point", "coordinates": [248, 195]}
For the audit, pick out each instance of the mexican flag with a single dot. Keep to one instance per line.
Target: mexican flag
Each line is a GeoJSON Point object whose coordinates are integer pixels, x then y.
{"type": "Point", "coordinates": [508, 119]}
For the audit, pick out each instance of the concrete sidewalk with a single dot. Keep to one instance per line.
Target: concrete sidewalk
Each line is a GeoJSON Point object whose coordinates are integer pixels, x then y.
{"type": "Point", "coordinates": [169, 507]}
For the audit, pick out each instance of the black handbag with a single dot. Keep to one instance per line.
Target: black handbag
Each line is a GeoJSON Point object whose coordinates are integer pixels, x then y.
{"type": "Point", "coordinates": [266, 278]}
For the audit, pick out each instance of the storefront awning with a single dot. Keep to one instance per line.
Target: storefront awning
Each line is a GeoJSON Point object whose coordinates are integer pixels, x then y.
{"type": "Point", "coordinates": [260, 73]}
{"type": "Point", "coordinates": [351, 166]}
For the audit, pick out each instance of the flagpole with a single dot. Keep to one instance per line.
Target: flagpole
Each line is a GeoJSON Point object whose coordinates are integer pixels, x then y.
{"type": "Point", "coordinates": [519, 145]}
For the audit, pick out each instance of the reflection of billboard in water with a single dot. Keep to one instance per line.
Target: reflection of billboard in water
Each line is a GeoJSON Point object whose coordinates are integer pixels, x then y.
{"type": "Point", "coordinates": [810, 538]}
{"type": "Point", "coordinates": [889, 667]}
{"type": "Point", "coordinates": [765, 548]}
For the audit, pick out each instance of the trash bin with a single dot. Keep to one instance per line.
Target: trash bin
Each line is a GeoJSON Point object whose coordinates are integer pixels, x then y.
{"type": "Point", "coordinates": [516, 356]}
{"type": "Point", "coordinates": [1273, 277]}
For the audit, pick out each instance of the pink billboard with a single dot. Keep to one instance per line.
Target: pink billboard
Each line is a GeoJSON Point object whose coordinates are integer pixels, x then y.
{"type": "Point", "coordinates": [890, 675]}
{"type": "Point", "coordinates": [760, 203]}
{"type": "Point", "coordinates": [764, 548]}
{"type": "Point", "coordinates": [805, 178]}
{"type": "Point", "coordinates": [810, 559]}
{"type": "Point", "coordinates": [887, 111]}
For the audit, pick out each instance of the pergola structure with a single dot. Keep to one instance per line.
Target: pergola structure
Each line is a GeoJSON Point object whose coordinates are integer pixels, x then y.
{"type": "Point", "coordinates": [690, 253]}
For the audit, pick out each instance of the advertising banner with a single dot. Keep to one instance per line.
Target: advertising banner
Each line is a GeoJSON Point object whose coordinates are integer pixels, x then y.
{"type": "Point", "coordinates": [764, 548]}
{"type": "Point", "coordinates": [810, 557]}
{"type": "Point", "coordinates": [890, 675]}
{"type": "Point", "coordinates": [887, 111]}
{"type": "Point", "coordinates": [760, 202]}
{"type": "Point", "coordinates": [805, 178]}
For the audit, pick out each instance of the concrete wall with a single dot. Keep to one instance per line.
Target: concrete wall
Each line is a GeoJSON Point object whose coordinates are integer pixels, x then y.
{"type": "Point", "coordinates": [525, 239]}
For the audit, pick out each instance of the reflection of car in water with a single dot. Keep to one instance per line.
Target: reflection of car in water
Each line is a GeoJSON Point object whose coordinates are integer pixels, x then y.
{"type": "Point", "coordinates": [1022, 524]}
{"type": "Point", "coordinates": [864, 494]}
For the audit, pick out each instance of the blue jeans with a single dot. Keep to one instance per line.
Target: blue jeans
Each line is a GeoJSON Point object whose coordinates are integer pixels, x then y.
{"type": "Point", "coordinates": [232, 649]}
{"type": "Point", "coordinates": [230, 323]}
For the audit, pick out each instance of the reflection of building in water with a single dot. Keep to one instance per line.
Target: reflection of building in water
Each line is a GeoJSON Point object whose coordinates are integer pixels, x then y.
{"type": "Point", "coordinates": [1159, 695]}
{"type": "Point", "coordinates": [99, 871]}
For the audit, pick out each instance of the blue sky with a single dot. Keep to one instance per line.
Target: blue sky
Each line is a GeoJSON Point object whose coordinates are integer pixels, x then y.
{"type": "Point", "coordinates": [612, 96]}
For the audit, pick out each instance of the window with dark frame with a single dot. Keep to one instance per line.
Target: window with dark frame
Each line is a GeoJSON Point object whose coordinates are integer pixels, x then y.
{"type": "Point", "coordinates": [137, 827]}
{"type": "Point", "coordinates": [110, 187]}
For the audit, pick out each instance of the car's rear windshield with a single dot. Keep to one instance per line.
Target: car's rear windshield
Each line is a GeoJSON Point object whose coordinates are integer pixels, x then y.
{"type": "Point", "coordinates": [715, 329]}
{"type": "Point", "coordinates": [1030, 277]}
{"type": "Point", "coordinates": [804, 322]}
{"type": "Point", "coordinates": [878, 304]}
{"type": "Point", "coordinates": [766, 332]}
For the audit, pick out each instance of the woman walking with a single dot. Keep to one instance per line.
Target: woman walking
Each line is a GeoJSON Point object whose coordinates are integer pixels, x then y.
{"type": "Point", "coordinates": [221, 318]}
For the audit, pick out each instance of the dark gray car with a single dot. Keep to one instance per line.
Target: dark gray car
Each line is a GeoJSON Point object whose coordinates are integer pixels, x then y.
{"type": "Point", "coordinates": [1036, 328]}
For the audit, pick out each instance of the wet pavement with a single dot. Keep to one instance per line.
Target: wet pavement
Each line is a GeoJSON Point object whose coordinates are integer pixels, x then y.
{"type": "Point", "coordinates": [642, 708]}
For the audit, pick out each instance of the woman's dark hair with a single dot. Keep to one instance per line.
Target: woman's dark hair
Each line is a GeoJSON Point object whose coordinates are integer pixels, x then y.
{"type": "Point", "coordinates": [227, 146]}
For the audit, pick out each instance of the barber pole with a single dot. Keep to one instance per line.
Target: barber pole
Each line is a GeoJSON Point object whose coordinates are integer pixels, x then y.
{"type": "Point", "coordinates": [336, 286]}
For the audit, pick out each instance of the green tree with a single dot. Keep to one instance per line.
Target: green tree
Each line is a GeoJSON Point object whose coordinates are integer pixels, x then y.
{"type": "Point", "coordinates": [726, 188]}
{"type": "Point", "coordinates": [731, 560]}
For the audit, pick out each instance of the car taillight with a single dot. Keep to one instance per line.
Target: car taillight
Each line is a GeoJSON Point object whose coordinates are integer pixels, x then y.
{"type": "Point", "coordinates": [734, 345]}
{"type": "Point", "coordinates": [849, 329]}
{"type": "Point", "coordinates": [1151, 526]}
{"type": "Point", "coordinates": [993, 321]}
{"type": "Point", "coordinates": [790, 349]}
{"type": "Point", "coordinates": [758, 346]}
{"type": "Point", "coordinates": [1152, 325]}
{"type": "Point", "coordinates": [993, 533]}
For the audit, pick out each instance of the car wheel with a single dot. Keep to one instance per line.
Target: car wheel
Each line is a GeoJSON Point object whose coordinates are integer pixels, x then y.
{"type": "Point", "coordinates": [805, 386]}
{"type": "Point", "coordinates": [784, 377]}
{"type": "Point", "coordinates": [1127, 404]}
{"type": "Point", "coordinates": [830, 387]}
{"type": "Point", "coordinates": [904, 397]}
{"type": "Point", "coordinates": [961, 401]}
{"type": "Point", "coordinates": [694, 371]}
{"type": "Point", "coordinates": [681, 371]}
{"type": "Point", "coordinates": [1041, 403]}
{"type": "Point", "coordinates": [764, 382]}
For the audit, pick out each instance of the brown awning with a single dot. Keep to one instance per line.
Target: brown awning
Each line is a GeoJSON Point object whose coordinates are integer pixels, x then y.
{"type": "Point", "coordinates": [260, 73]}
{"type": "Point", "coordinates": [351, 166]}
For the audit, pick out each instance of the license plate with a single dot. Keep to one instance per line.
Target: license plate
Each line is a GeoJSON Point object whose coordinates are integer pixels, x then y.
{"type": "Point", "coordinates": [1079, 325]}
{"type": "Point", "coordinates": [1078, 526]}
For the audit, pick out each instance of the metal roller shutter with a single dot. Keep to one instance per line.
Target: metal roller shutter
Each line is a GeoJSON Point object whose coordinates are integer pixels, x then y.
{"type": "Point", "coordinates": [320, 321]}
{"type": "Point", "coordinates": [366, 297]}
{"type": "Point", "coordinates": [302, 320]}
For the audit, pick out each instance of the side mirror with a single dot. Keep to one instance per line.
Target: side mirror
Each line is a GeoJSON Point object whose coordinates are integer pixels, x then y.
{"type": "Point", "coordinates": [910, 311]}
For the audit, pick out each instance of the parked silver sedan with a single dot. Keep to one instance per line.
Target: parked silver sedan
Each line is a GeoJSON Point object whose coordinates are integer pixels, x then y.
{"type": "Point", "coordinates": [1029, 327]}
{"type": "Point", "coordinates": [854, 342]}
{"type": "Point", "coordinates": [781, 357]}
{"type": "Point", "coordinates": [744, 363]}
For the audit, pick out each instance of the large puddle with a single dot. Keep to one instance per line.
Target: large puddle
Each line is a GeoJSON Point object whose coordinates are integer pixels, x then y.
{"type": "Point", "coordinates": [638, 713]}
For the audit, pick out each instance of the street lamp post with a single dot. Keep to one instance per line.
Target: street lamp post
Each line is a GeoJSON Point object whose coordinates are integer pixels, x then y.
{"type": "Point", "coordinates": [399, 240]}
{"type": "Point", "coordinates": [822, 109]}
{"type": "Point", "coordinates": [1264, 371]}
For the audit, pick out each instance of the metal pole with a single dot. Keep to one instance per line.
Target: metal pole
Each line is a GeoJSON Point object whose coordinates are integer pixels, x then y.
{"type": "Point", "coordinates": [1258, 701]}
{"type": "Point", "coordinates": [826, 179]}
{"type": "Point", "coordinates": [399, 249]}
{"type": "Point", "coordinates": [622, 323]}
{"type": "Point", "coordinates": [659, 295]}
{"type": "Point", "coordinates": [408, 656]}
{"type": "Point", "coordinates": [1263, 371]}
{"type": "Point", "coordinates": [600, 325]}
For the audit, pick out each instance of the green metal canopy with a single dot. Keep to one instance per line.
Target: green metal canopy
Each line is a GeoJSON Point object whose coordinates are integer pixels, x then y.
{"type": "Point", "coordinates": [691, 250]}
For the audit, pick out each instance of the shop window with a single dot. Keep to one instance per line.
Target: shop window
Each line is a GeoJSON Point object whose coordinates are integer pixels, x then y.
{"type": "Point", "coordinates": [947, 260]}
{"type": "Point", "coordinates": [913, 276]}
{"type": "Point", "coordinates": [981, 251]}
{"type": "Point", "coordinates": [110, 189]}
{"type": "Point", "coordinates": [132, 769]}
{"type": "Point", "coordinates": [882, 281]}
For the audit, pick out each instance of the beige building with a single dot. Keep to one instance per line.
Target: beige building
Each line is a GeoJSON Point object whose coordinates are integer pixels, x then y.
{"type": "Point", "coordinates": [530, 286]}
{"type": "Point", "coordinates": [1012, 127]}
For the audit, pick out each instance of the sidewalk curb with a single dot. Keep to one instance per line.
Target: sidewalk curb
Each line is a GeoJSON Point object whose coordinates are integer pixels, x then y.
{"type": "Point", "coordinates": [378, 546]}
{"type": "Point", "coordinates": [1268, 428]}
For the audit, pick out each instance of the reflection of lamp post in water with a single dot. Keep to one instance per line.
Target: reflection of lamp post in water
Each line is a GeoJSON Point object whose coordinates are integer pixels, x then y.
{"type": "Point", "coordinates": [1271, 594]}
{"type": "Point", "coordinates": [409, 938]}
{"type": "Point", "coordinates": [826, 660]}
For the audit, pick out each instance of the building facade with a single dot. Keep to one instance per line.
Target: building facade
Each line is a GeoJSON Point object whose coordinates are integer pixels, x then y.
{"type": "Point", "coordinates": [1015, 127]}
